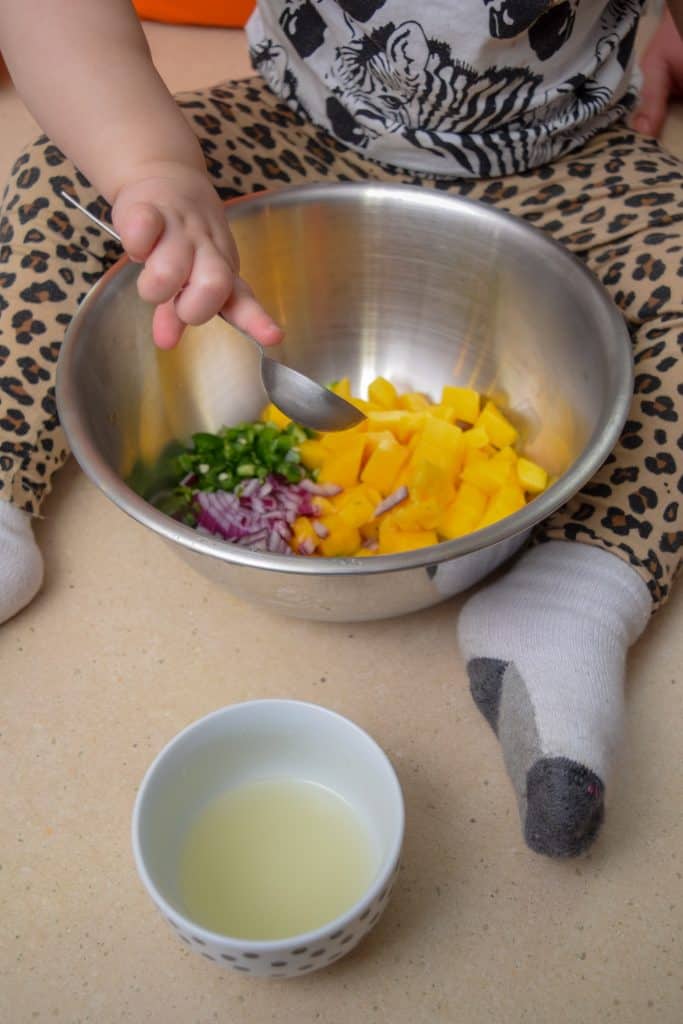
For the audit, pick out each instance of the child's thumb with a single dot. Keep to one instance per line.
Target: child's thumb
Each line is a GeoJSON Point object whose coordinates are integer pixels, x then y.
{"type": "Point", "coordinates": [649, 116]}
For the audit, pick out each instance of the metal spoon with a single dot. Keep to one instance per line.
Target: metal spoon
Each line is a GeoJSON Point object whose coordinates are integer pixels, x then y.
{"type": "Point", "coordinates": [297, 396]}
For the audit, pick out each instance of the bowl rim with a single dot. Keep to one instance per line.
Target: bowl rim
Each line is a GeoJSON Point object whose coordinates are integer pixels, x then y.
{"type": "Point", "coordinates": [380, 881]}
{"type": "Point", "coordinates": [597, 448]}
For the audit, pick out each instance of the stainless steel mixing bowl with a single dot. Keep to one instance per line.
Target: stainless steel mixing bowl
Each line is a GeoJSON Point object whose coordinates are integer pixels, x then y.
{"type": "Point", "coordinates": [368, 279]}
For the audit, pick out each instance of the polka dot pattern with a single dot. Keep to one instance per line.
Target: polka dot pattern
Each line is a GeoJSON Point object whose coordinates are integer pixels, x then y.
{"type": "Point", "coordinates": [299, 959]}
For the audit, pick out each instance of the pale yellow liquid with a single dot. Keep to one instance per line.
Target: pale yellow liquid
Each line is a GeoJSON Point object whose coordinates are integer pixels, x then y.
{"type": "Point", "coordinates": [274, 858]}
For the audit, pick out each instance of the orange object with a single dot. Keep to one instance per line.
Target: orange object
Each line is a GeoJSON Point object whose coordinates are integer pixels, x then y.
{"type": "Point", "coordinates": [220, 13]}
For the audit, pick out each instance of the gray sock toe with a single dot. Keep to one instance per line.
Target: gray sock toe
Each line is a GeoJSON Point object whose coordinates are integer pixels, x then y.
{"type": "Point", "coordinates": [486, 683]}
{"type": "Point", "coordinates": [564, 807]}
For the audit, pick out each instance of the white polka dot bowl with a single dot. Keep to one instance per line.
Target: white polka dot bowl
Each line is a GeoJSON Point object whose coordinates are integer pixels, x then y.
{"type": "Point", "coordinates": [266, 740]}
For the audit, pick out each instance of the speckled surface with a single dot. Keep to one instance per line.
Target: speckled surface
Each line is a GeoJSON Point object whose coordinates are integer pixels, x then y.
{"type": "Point", "coordinates": [126, 645]}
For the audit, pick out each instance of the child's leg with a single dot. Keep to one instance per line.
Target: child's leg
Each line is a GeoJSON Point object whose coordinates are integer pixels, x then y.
{"type": "Point", "coordinates": [48, 261]}
{"type": "Point", "coordinates": [546, 645]}
{"type": "Point", "coordinates": [50, 256]}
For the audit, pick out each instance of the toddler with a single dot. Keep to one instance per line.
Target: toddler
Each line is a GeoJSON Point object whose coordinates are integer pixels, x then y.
{"type": "Point", "coordinates": [528, 105]}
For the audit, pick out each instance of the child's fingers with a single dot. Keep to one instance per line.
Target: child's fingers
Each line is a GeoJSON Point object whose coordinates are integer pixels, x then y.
{"type": "Point", "coordinates": [167, 326]}
{"type": "Point", "coordinates": [208, 287]}
{"type": "Point", "coordinates": [245, 313]}
{"type": "Point", "coordinates": [650, 114]}
{"type": "Point", "coordinates": [169, 266]}
{"type": "Point", "coordinates": [140, 226]}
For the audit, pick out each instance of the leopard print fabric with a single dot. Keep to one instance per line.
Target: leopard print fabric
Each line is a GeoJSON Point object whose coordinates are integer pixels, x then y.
{"type": "Point", "coordinates": [617, 205]}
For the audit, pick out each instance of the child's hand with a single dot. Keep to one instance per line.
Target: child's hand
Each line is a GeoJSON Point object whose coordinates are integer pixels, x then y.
{"type": "Point", "coordinates": [662, 67]}
{"type": "Point", "coordinates": [170, 218]}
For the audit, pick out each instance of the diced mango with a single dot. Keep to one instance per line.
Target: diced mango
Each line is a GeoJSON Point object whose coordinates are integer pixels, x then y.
{"type": "Point", "coordinates": [443, 412]}
{"type": "Point", "coordinates": [342, 387]}
{"type": "Point", "coordinates": [428, 480]}
{"type": "Point", "coordinates": [440, 443]}
{"type": "Point", "coordinates": [343, 466]}
{"type": "Point", "coordinates": [463, 514]}
{"type": "Point", "coordinates": [338, 440]}
{"type": "Point", "coordinates": [532, 477]}
{"type": "Point", "coordinates": [419, 515]}
{"type": "Point", "coordinates": [414, 401]}
{"type": "Point", "coordinates": [476, 437]}
{"type": "Point", "coordinates": [509, 499]}
{"type": "Point", "coordinates": [396, 540]}
{"type": "Point", "coordinates": [341, 541]}
{"type": "Point", "coordinates": [464, 401]}
{"type": "Point", "coordinates": [499, 429]}
{"type": "Point", "coordinates": [382, 392]}
{"type": "Point", "coordinates": [370, 530]}
{"type": "Point", "coordinates": [506, 454]}
{"type": "Point", "coordinates": [488, 476]}
{"type": "Point", "coordinates": [400, 422]}
{"type": "Point", "coordinates": [324, 506]}
{"type": "Point", "coordinates": [373, 438]}
{"type": "Point", "coordinates": [383, 466]}
{"type": "Point", "coordinates": [457, 480]}
{"type": "Point", "coordinates": [271, 414]}
{"type": "Point", "coordinates": [357, 505]}
{"type": "Point", "coordinates": [303, 533]}
{"type": "Point", "coordinates": [313, 453]}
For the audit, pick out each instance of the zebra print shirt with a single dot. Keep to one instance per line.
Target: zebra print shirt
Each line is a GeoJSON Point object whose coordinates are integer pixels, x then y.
{"type": "Point", "coordinates": [462, 88]}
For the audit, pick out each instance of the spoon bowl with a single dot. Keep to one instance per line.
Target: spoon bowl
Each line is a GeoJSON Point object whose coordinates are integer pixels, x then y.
{"type": "Point", "coordinates": [296, 395]}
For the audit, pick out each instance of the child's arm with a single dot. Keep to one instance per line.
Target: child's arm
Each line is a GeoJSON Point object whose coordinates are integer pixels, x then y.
{"type": "Point", "coordinates": [662, 67]}
{"type": "Point", "coordinates": [84, 70]}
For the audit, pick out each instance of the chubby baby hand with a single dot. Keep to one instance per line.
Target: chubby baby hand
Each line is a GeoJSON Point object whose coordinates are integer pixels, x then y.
{"type": "Point", "coordinates": [170, 218]}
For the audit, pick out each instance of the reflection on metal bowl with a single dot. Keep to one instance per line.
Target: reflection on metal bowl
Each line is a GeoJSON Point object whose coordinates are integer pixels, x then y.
{"type": "Point", "coordinates": [367, 279]}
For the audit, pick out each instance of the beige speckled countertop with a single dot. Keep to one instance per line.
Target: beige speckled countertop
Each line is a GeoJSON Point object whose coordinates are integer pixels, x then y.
{"type": "Point", "coordinates": [126, 645]}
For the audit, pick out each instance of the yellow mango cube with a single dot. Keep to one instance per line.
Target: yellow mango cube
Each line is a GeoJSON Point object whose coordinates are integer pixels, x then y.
{"type": "Point", "coordinates": [341, 541]}
{"type": "Point", "coordinates": [506, 454]}
{"type": "Point", "coordinates": [440, 443]}
{"type": "Point", "coordinates": [303, 533]}
{"type": "Point", "coordinates": [374, 437]}
{"type": "Point", "coordinates": [357, 505]}
{"type": "Point", "coordinates": [464, 401]}
{"type": "Point", "coordinates": [509, 499]}
{"type": "Point", "coordinates": [313, 453]}
{"type": "Point", "coordinates": [464, 513]}
{"type": "Point", "coordinates": [419, 515]}
{"type": "Point", "coordinates": [476, 437]}
{"type": "Point", "coordinates": [443, 412]}
{"type": "Point", "coordinates": [342, 387]}
{"type": "Point", "coordinates": [271, 414]}
{"type": "Point", "coordinates": [414, 401]}
{"type": "Point", "coordinates": [395, 541]}
{"type": "Point", "coordinates": [343, 466]}
{"type": "Point", "coordinates": [400, 422]}
{"type": "Point", "coordinates": [383, 393]}
{"type": "Point", "coordinates": [501, 432]}
{"type": "Point", "coordinates": [323, 506]}
{"type": "Point", "coordinates": [532, 478]}
{"type": "Point", "coordinates": [383, 466]}
{"type": "Point", "coordinates": [370, 530]}
{"type": "Point", "coordinates": [338, 440]}
{"type": "Point", "coordinates": [428, 480]}
{"type": "Point", "coordinates": [489, 476]}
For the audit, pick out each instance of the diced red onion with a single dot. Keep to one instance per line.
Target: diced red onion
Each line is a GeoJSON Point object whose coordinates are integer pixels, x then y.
{"type": "Point", "coordinates": [324, 490]}
{"type": "Point", "coordinates": [259, 515]}
{"type": "Point", "coordinates": [320, 529]}
{"type": "Point", "coordinates": [391, 501]}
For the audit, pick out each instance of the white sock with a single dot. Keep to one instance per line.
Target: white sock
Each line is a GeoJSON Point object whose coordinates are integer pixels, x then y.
{"type": "Point", "coordinates": [545, 648]}
{"type": "Point", "coordinates": [21, 563]}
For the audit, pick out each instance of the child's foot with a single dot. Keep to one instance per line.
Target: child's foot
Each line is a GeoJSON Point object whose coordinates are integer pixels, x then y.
{"type": "Point", "coordinates": [545, 648]}
{"type": "Point", "coordinates": [21, 564]}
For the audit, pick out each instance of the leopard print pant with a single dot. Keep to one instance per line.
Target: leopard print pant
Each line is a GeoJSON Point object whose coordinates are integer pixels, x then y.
{"type": "Point", "coordinates": [617, 204]}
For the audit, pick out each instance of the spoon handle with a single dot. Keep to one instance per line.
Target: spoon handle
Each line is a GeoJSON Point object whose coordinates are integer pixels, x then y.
{"type": "Point", "coordinates": [91, 216]}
